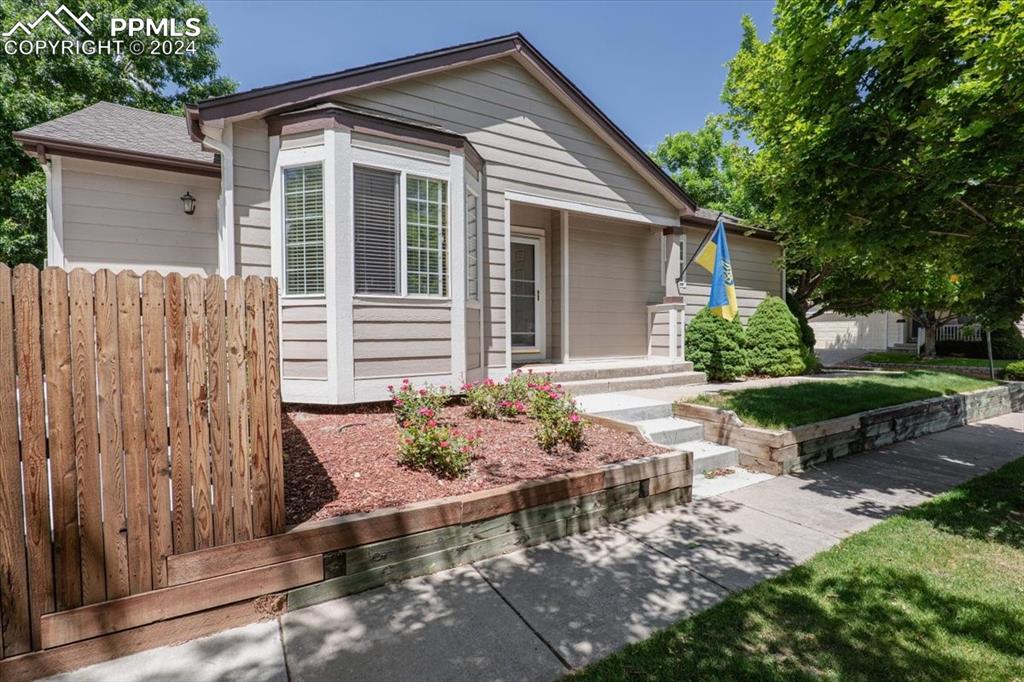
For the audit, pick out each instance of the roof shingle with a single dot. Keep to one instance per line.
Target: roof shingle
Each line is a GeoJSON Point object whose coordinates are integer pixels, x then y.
{"type": "Point", "coordinates": [125, 128]}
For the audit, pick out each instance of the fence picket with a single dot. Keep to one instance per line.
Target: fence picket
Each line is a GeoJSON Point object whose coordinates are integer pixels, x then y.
{"type": "Point", "coordinates": [274, 443]}
{"type": "Point", "coordinates": [155, 373]}
{"type": "Point", "coordinates": [217, 382]}
{"type": "Point", "coordinates": [256, 370]}
{"type": "Point", "coordinates": [133, 419]}
{"type": "Point", "coordinates": [15, 632]}
{"type": "Point", "coordinates": [87, 443]}
{"type": "Point", "coordinates": [64, 482]}
{"type": "Point", "coordinates": [115, 520]}
{"type": "Point", "coordinates": [238, 421]}
{"type": "Point", "coordinates": [177, 400]}
{"type": "Point", "coordinates": [198, 418]}
{"type": "Point", "coordinates": [27, 327]}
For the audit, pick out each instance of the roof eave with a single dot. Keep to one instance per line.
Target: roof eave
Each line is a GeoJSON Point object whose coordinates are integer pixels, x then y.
{"type": "Point", "coordinates": [39, 145]}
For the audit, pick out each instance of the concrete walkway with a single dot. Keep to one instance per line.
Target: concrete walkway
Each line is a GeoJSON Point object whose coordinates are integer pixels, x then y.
{"type": "Point", "coordinates": [536, 614]}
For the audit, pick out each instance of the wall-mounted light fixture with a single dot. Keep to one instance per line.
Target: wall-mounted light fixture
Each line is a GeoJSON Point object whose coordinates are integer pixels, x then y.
{"type": "Point", "coordinates": [188, 203]}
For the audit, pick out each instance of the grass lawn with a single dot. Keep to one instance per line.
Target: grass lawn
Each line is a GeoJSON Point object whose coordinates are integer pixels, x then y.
{"type": "Point", "coordinates": [787, 406]}
{"type": "Point", "coordinates": [908, 358]}
{"type": "Point", "coordinates": [934, 594]}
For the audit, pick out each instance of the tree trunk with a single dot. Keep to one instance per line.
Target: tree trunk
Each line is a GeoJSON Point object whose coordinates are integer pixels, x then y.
{"type": "Point", "coordinates": [931, 337]}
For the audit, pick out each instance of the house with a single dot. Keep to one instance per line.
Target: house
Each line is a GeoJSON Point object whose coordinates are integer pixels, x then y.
{"type": "Point", "coordinates": [444, 217]}
{"type": "Point", "coordinates": [886, 330]}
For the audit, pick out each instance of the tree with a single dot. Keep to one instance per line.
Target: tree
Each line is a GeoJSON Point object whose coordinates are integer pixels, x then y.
{"type": "Point", "coordinates": [36, 88]}
{"type": "Point", "coordinates": [890, 130]}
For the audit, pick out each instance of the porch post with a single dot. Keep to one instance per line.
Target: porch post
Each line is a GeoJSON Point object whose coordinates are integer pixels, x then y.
{"type": "Point", "coordinates": [564, 288]}
{"type": "Point", "coordinates": [457, 218]}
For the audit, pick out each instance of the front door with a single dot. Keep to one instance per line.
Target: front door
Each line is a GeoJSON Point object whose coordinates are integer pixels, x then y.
{"type": "Point", "coordinates": [528, 296]}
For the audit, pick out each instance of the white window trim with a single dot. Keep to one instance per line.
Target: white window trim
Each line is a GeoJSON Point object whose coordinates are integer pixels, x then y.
{"type": "Point", "coordinates": [284, 235]}
{"type": "Point", "coordinates": [291, 158]}
{"type": "Point", "coordinates": [366, 158]}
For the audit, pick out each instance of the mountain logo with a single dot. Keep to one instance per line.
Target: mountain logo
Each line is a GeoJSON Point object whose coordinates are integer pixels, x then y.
{"type": "Point", "coordinates": [68, 15]}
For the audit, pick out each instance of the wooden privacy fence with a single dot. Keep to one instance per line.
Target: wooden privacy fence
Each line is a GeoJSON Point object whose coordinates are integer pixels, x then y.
{"type": "Point", "coordinates": [140, 417]}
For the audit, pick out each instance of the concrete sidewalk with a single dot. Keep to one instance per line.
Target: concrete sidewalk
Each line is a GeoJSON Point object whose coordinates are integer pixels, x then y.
{"type": "Point", "coordinates": [538, 613]}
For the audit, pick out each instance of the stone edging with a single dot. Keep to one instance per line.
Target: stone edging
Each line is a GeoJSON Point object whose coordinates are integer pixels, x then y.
{"type": "Point", "coordinates": [788, 450]}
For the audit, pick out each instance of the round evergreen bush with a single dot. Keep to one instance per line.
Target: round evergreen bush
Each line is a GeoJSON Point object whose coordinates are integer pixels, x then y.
{"type": "Point", "coordinates": [715, 346]}
{"type": "Point", "coordinates": [774, 344]}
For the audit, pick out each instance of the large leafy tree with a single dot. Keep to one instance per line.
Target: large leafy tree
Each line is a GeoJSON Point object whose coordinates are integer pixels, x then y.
{"type": "Point", "coordinates": [36, 88]}
{"type": "Point", "coordinates": [891, 131]}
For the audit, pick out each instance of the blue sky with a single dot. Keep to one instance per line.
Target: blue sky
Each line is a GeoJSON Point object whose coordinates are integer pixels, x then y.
{"type": "Point", "coordinates": [653, 67]}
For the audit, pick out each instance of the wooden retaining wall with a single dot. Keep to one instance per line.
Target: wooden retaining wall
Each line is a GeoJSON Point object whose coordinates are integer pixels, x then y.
{"type": "Point", "coordinates": [784, 451]}
{"type": "Point", "coordinates": [225, 586]}
{"type": "Point", "coordinates": [140, 418]}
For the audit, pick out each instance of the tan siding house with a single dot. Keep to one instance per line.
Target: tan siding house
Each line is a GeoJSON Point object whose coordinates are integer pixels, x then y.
{"type": "Point", "coordinates": [444, 217]}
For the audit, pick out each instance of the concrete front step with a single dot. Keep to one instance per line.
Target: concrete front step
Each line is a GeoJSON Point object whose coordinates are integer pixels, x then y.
{"type": "Point", "coordinates": [625, 408]}
{"type": "Point", "coordinates": [671, 430]}
{"type": "Point", "coordinates": [708, 455]}
{"type": "Point", "coordinates": [632, 383]}
{"type": "Point", "coordinates": [593, 371]}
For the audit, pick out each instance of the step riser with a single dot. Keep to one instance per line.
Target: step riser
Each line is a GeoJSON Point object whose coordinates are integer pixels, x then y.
{"type": "Point", "coordinates": [716, 461]}
{"type": "Point", "coordinates": [637, 414]}
{"type": "Point", "coordinates": [659, 381]}
{"type": "Point", "coordinates": [597, 373]}
{"type": "Point", "coordinates": [677, 436]}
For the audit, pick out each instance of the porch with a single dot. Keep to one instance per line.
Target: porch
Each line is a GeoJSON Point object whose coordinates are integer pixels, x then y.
{"type": "Point", "coordinates": [594, 299]}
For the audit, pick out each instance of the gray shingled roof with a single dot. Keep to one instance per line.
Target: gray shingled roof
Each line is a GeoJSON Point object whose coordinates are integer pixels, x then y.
{"type": "Point", "coordinates": [124, 128]}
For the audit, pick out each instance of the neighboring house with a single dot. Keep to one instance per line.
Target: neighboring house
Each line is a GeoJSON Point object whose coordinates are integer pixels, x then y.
{"type": "Point", "coordinates": [883, 331]}
{"type": "Point", "coordinates": [443, 217]}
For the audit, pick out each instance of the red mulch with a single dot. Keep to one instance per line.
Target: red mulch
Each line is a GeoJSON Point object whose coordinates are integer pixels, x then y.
{"type": "Point", "coordinates": [339, 463]}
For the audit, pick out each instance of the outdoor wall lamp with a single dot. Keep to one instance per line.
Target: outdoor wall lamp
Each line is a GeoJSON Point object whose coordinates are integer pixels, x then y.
{"type": "Point", "coordinates": [188, 203]}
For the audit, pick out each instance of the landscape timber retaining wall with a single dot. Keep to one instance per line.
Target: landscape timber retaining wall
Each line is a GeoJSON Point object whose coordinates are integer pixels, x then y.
{"type": "Point", "coordinates": [784, 451]}
{"type": "Point", "coordinates": [223, 587]}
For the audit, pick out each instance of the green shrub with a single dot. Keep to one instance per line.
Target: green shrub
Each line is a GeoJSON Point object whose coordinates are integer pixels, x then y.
{"type": "Point", "coordinates": [435, 447]}
{"type": "Point", "coordinates": [417, 404]}
{"type": "Point", "coordinates": [488, 399]}
{"type": "Point", "coordinates": [716, 346]}
{"type": "Point", "coordinates": [774, 346]}
{"type": "Point", "coordinates": [1014, 371]}
{"type": "Point", "coordinates": [558, 420]}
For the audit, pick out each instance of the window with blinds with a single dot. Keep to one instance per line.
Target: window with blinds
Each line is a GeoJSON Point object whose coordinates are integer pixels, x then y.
{"type": "Point", "coordinates": [472, 247]}
{"type": "Point", "coordinates": [304, 230]}
{"type": "Point", "coordinates": [426, 205]}
{"type": "Point", "coordinates": [376, 231]}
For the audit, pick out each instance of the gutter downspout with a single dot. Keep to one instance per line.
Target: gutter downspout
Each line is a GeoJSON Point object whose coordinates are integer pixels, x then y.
{"type": "Point", "coordinates": [226, 202]}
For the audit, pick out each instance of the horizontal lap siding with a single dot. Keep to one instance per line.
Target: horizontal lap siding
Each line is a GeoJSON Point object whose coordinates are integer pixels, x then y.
{"type": "Point", "coordinates": [303, 339]}
{"type": "Point", "coordinates": [252, 197]}
{"type": "Point", "coordinates": [613, 277]}
{"type": "Point", "coordinates": [754, 269]}
{"type": "Point", "coordinates": [531, 144]}
{"type": "Point", "coordinates": [123, 217]}
{"type": "Point", "coordinates": [396, 340]}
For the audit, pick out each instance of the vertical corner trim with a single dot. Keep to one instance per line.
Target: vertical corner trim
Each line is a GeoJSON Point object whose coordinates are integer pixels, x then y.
{"type": "Point", "coordinates": [54, 171]}
{"type": "Point", "coordinates": [565, 285]}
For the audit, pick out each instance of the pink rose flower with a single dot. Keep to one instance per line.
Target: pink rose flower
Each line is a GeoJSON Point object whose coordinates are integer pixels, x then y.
{"type": "Point", "coordinates": [574, 418]}
{"type": "Point", "coordinates": [443, 444]}
{"type": "Point", "coordinates": [426, 412]}
{"type": "Point", "coordinates": [399, 402]}
{"type": "Point", "coordinates": [432, 424]}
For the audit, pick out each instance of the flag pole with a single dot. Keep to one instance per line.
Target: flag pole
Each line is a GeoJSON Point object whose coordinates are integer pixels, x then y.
{"type": "Point", "coordinates": [701, 245]}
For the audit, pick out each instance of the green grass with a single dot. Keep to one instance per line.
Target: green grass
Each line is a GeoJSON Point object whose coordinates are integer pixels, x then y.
{"type": "Point", "coordinates": [896, 358]}
{"type": "Point", "coordinates": [934, 594]}
{"type": "Point", "coordinates": [809, 402]}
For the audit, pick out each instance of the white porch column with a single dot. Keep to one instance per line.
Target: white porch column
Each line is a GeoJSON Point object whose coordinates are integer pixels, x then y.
{"type": "Point", "coordinates": [673, 262]}
{"type": "Point", "coordinates": [564, 287]}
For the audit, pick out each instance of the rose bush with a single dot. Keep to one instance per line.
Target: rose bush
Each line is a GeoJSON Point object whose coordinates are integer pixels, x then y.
{"type": "Point", "coordinates": [558, 420]}
{"type": "Point", "coordinates": [435, 447]}
{"type": "Point", "coordinates": [417, 404]}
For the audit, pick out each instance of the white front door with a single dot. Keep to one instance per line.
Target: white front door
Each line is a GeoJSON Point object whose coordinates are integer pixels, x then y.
{"type": "Point", "coordinates": [529, 337]}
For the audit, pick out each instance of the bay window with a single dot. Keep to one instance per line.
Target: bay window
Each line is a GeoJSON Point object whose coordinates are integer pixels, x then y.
{"type": "Point", "coordinates": [400, 233]}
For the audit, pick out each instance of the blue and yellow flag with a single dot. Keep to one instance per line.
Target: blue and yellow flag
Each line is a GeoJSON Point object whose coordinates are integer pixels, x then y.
{"type": "Point", "coordinates": [714, 258]}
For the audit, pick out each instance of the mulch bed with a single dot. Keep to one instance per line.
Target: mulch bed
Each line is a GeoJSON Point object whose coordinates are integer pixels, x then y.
{"type": "Point", "coordinates": [343, 462]}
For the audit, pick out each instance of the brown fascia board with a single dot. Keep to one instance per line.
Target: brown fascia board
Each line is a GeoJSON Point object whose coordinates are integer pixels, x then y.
{"type": "Point", "coordinates": [40, 146]}
{"type": "Point", "coordinates": [733, 228]}
{"type": "Point", "coordinates": [319, 119]}
{"type": "Point", "coordinates": [295, 93]}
